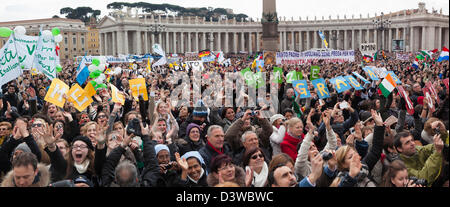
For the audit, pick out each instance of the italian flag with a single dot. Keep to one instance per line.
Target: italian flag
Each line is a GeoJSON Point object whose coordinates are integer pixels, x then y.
{"type": "Point", "coordinates": [387, 85]}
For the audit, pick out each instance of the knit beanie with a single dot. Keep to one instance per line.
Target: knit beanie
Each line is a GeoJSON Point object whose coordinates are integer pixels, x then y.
{"type": "Point", "coordinates": [200, 109]}
{"type": "Point", "coordinates": [85, 140]}
{"type": "Point", "coordinates": [160, 147]}
{"type": "Point", "coordinates": [276, 117]}
{"type": "Point", "coordinates": [22, 147]}
{"type": "Point", "coordinates": [190, 126]}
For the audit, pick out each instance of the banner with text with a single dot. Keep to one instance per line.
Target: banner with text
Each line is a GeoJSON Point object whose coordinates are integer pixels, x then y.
{"type": "Point", "coordinates": [308, 57]}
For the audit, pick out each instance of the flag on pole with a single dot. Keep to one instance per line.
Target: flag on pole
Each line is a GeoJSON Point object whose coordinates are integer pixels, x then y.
{"type": "Point", "coordinates": [323, 39]}
{"type": "Point", "coordinates": [420, 57]}
{"type": "Point", "coordinates": [82, 71]}
{"type": "Point", "coordinates": [415, 64]}
{"type": "Point", "coordinates": [387, 85]}
{"type": "Point", "coordinates": [443, 55]}
{"type": "Point", "coordinates": [368, 58]}
{"type": "Point", "coordinates": [426, 54]}
{"type": "Point", "coordinates": [375, 56]}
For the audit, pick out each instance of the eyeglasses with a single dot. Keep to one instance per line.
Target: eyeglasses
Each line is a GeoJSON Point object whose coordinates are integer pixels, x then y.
{"type": "Point", "coordinates": [254, 157]}
{"type": "Point", "coordinates": [79, 147]}
{"type": "Point", "coordinates": [101, 116]}
{"type": "Point", "coordinates": [37, 125]}
{"type": "Point", "coordinates": [228, 166]}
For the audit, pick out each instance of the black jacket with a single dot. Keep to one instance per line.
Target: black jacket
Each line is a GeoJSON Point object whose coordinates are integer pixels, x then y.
{"type": "Point", "coordinates": [188, 145]}
{"type": "Point", "coordinates": [99, 160]}
{"type": "Point", "coordinates": [208, 153]}
{"type": "Point", "coordinates": [8, 148]}
{"type": "Point", "coordinates": [58, 164]}
{"type": "Point", "coordinates": [150, 174]}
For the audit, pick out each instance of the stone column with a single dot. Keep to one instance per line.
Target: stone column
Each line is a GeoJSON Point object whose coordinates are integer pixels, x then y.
{"type": "Point", "coordinates": [235, 42]}
{"type": "Point", "coordinates": [285, 45]}
{"type": "Point", "coordinates": [315, 36]}
{"type": "Point", "coordinates": [204, 41]}
{"type": "Point", "coordinates": [300, 39]}
{"type": "Point", "coordinates": [281, 41]}
{"type": "Point", "coordinates": [119, 41]}
{"type": "Point", "coordinates": [383, 40]}
{"type": "Point", "coordinates": [345, 40]}
{"type": "Point", "coordinates": [293, 40]}
{"type": "Point", "coordinates": [424, 39]}
{"type": "Point", "coordinates": [146, 42]}
{"type": "Point", "coordinates": [196, 42]}
{"type": "Point", "coordinates": [153, 40]}
{"type": "Point", "coordinates": [226, 43]}
{"type": "Point", "coordinates": [242, 42]}
{"type": "Point", "coordinates": [375, 38]}
{"type": "Point", "coordinates": [360, 38]}
{"type": "Point", "coordinates": [439, 39]}
{"type": "Point", "coordinates": [189, 43]}
{"type": "Point", "coordinates": [211, 41]}
{"type": "Point", "coordinates": [390, 40]}
{"type": "Point", "coordinates": [257, 41]}
{"type": "Point", "coordinates": [114, 43]}
{"type": "Point", "coordinates": [411, 39]}
{"type": "Point", "coordinates": [167, 42]}
{"type": "Point", "coordinates": [353, 39]}
{"type": "Point", "coordinates": [219, 41]}
{"type": "Point", "coordinates": [182, 42]}
{"type": "Point", "coordinates": [125, 42]}
{"type": "Point", "coordinates": [404, 39]}
{"type": "Point", "coordinates": [308, 43]}
{"type": "Point", "coordinates": [174, 48]}
{"type": "Point", "coordinates": [250, 49]}
{"type": "Point", "coordinates": [368, 36]}
{"type": "Point", "coordinates": [102, 44]}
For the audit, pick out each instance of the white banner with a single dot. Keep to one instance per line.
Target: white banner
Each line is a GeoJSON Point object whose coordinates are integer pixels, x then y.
{"type": "Point", "coordinates": [368, 48]}
{"type": "Point", "coordinates": [9, 62]}
{"type": "Point", "coordinates": [307, 57]}
{"type": "Point", "coordinates": [401, 56]}
{"type": "Point", "coordinates": [195, 65]}
{"type": "Point", "coordinates": [26, 48]}
{"type": "Point", "coordinates": [45, 59]}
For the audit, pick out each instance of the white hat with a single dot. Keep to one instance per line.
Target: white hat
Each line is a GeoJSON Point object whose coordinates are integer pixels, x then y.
{"type": "Point", "coordinates": [276, 117]}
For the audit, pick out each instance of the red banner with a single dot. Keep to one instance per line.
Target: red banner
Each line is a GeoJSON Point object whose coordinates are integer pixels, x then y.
{"type": "Point", "coordinates": [432, 91]}
{"type": "Point", "coordinates": [409, 104]}
{"type": "Point", "coordinates": [446, 82]}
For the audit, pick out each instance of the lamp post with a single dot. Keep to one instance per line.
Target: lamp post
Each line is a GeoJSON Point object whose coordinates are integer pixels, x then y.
{"type": "Point", "coordinates": [381, 25]}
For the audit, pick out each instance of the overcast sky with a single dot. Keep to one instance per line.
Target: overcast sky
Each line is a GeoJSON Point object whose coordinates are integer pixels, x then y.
{"type": "Point", "coordinates": [38, 9]}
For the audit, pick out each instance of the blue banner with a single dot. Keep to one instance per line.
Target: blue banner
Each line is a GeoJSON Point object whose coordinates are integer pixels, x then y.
{"type": "Point", "coordinates": [321, 87]}
{"type": "Point", "coordinates": [352, 80]}
{"type": "Point", "coordinates": [371, 73]}
{"type": "Point", "coordinates": [360, 77]}
{"type": "Point", "coordinates": [340, 84]}
{"type": "Point", "coordinates": [302, 86]}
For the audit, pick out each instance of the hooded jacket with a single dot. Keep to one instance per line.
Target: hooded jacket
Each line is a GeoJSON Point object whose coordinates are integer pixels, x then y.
{"type": "Point", "coordinates": [239, 178]}
{"type": "Point", "coordinates": [42, 179]}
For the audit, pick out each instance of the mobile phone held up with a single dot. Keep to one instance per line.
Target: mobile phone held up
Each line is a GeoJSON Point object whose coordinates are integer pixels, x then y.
{"type": "Point", "coordinates": [343, 105]}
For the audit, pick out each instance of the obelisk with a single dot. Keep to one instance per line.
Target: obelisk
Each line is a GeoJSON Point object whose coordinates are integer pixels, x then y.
{"type": "Point", "coordinates": [269, 22]}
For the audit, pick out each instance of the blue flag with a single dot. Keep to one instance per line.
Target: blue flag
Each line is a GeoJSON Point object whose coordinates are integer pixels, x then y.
{"type": "Point", "coordinates": [82, 72]}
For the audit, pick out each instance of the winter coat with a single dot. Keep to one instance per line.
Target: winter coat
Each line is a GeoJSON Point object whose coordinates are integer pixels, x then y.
{"type": "Point", "coordinates": [208, 153]}
{"type": "Point", "coordinates": [235, 132]}
{"type": "Point", "coordinates": [276, 138]}
{"type": "Point", "coordinates": [187, 145]}
{"type": "Point", "coordinates": [99, 161]}
{"type": "Point", "coordinates": [8, 148]}
{"type": "Point", "coordinates": [58, 164]}
{"type": "Point", "coordinates": [239, 178]}
{"type": "Point", "coordinates": [150, 172]}
{"type": "Point", "coordinates": [189, 120]}
{"type": "Point", "coordinates": [424, 164]}
{"type": "Point", "coordinates": [42, 179]}
{"type": "Point", "coordinates": [302, 164]}
{"type": "Point", "coordinates": [289, 145]}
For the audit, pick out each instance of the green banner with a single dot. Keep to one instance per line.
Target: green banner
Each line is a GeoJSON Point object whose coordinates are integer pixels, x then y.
{"type": "Point", "coordinates": [315, 70]}
{"type": "Point", "coordinates": [293, 76]}
{"type": "Point", "coordinates": [278, 75]}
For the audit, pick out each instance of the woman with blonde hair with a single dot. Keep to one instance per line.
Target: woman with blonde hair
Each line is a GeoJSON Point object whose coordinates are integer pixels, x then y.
{"type": "Point", "coordinates": [354, 171]}
{"type": "Point", "coordinates": [91, 130]}
{"type": "Point", "coordinates": [293, 137]}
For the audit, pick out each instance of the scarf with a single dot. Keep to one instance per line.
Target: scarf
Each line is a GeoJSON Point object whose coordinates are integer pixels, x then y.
{"type": "Point", "coordinates": [196, 181]}
{"type": "Point", "coordinates": [259, 180]}
{"type": "Point", "coordinates": [218, 151]}
{"type": "Point", "coordinates": [82, 168]}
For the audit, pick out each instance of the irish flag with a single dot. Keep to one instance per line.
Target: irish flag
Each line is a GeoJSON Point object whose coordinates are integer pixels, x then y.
{"type": "Point", "coordinates": [443, 55]}
{"type": "Point", "coordinates": [387, 85]}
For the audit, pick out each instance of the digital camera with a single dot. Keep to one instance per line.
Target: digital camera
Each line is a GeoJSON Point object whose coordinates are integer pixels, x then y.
{"type": "Point", "coordinates": [134, 127]}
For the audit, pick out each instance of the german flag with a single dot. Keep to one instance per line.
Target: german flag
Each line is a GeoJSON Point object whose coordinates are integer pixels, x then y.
{"type": "Point", "coordinates": [204, 53]}
{"type": "Point", "coordinates": [368, 58]}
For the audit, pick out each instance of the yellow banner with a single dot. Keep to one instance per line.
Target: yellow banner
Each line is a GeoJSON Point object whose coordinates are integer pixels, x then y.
{"type": "Point", "coordinates": [89, 90]}
{"type": "Point", "coordinates": [138, 87]}
{"type": "Point", "coordinates": [116, 96]}
{"type": "Point", "coordinates": [55, 93]}
{"type": "Point", "coordinates": [79, 98]}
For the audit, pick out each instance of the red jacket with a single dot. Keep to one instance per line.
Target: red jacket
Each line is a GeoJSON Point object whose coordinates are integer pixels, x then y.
{"type": "Point", "coordinates": [289, 145]}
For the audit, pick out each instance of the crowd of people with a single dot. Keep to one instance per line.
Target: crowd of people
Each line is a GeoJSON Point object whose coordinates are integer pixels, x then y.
{"type": "Point", "coordinates": [156, 144]}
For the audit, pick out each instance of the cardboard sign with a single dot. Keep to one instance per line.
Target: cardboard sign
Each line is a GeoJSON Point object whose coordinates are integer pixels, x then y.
{"type": "Point", "coordinates": [278, 74]}
{"type": "Point", "coordinates": [79, 98]}
{"type": "Point", "coordinates": [360, 77]}
{"type": "Point", "coordinates": [409, 104]}
{"type": "Point", "coordinates": [340, 84]}
{"type": "Point", "coordinates": [394, 77]}
{"type": "Point", "coordinates": [321, 88]}
{"type": "Point", "coordinates": [302, 86]}
{"type": "Point", "coordinates": [293, 75]}
{"type": "Point", "coordinates": [427, 96]}
{"type": "Point", "coordinates": [116, 96]}
{"type": "Point", "coordinates": [138, 87]}
{"type": "Point", "coordinates": [56, 91]}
